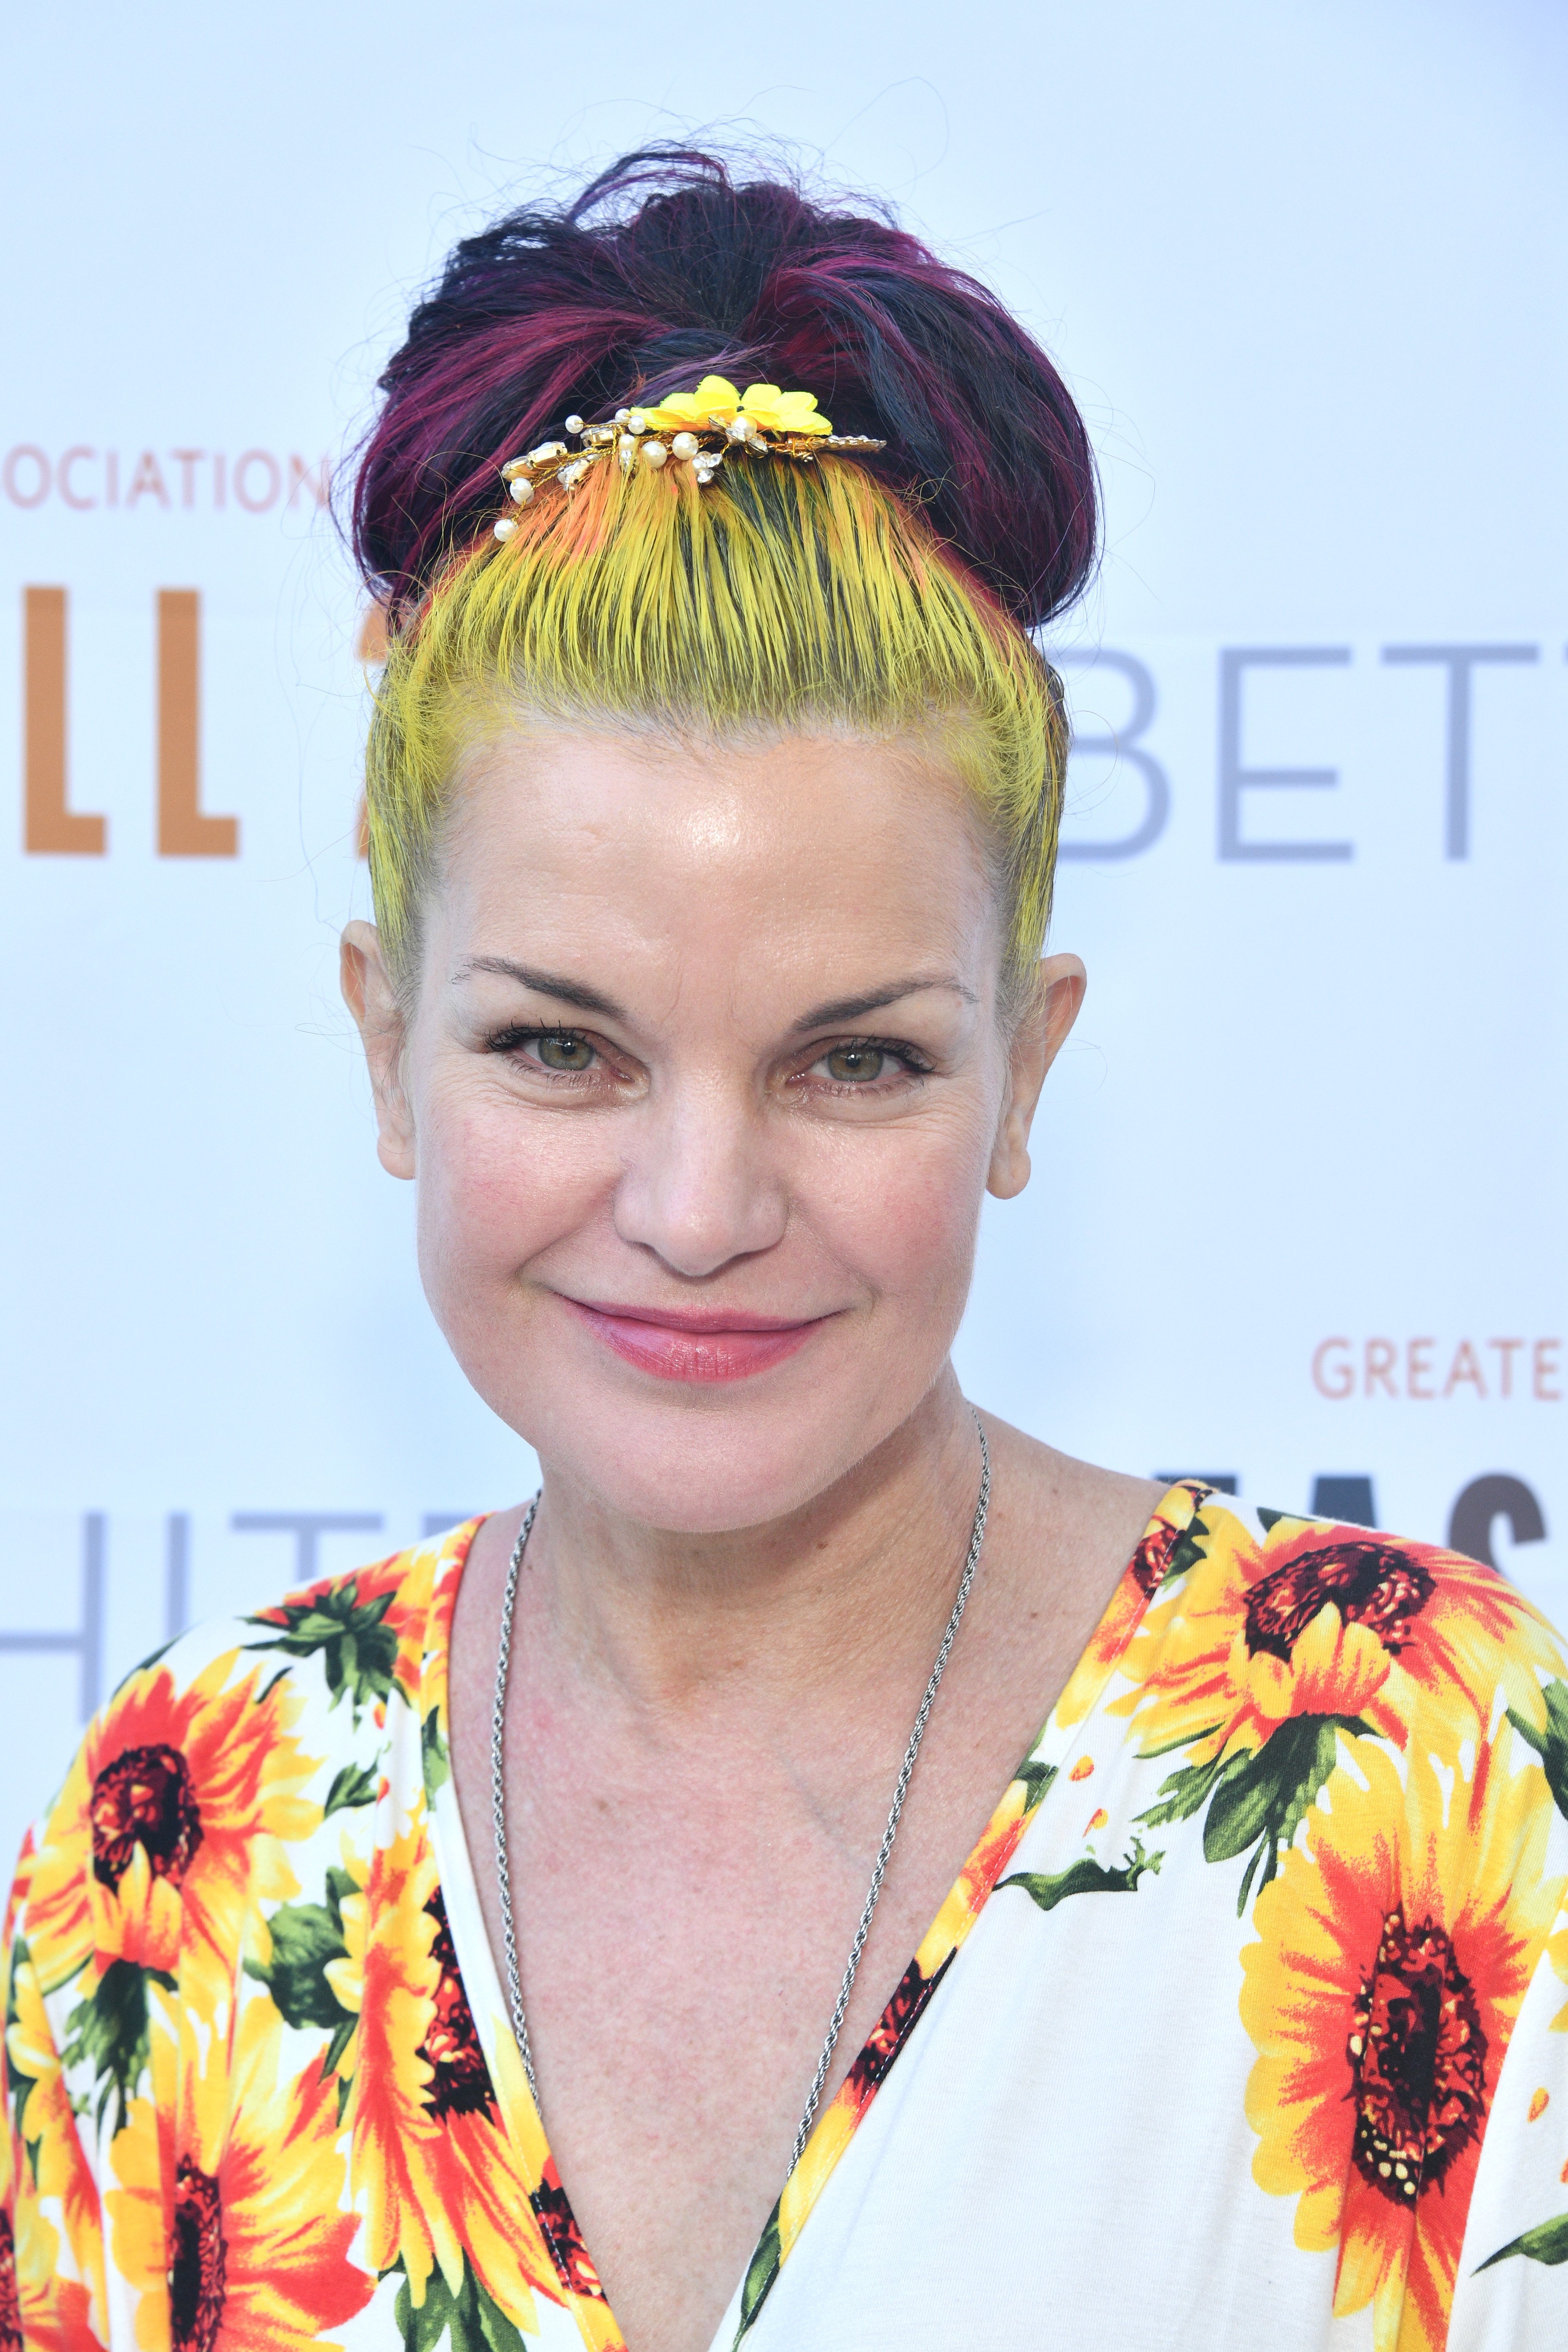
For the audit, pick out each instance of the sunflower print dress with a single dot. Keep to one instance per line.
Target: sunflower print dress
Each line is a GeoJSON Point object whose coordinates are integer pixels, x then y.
{"type": "Point", "coordinates": [1246, 2024]}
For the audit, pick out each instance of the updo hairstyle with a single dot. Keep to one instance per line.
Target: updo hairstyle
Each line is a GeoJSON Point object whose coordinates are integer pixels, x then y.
{"type": "Point", "coordinates": [879, 595]}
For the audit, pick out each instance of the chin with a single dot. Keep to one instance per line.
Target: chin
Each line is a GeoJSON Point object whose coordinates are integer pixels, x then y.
{"type": "Point", "coordinates": [707, 1472]}
{"type": "Point", "coordinates": [702, 1460]}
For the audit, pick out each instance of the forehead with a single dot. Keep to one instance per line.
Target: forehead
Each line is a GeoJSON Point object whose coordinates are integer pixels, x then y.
{"type": "Point", "coordinates": [821, 843]}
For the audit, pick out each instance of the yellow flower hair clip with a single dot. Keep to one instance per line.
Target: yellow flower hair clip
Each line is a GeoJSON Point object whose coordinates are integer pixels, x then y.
{"type": "Point", "coordinates": [718, 406]}
{"type": "Point", "coordinates": [699, 429]}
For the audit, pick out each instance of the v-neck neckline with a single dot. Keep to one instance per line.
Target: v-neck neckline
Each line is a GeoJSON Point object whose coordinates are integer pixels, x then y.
{"type": "Point", "coordinates": [839, 2120]}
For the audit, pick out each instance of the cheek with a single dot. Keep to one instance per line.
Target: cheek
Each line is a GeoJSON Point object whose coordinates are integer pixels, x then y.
{"type": "Point", "coordinates": [901, 1204]}
{"type": "Point", "coordinates": [497, 1189]}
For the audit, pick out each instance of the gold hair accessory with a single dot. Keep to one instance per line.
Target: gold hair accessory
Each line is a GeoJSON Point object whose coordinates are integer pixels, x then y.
{"type": "Point", "coordinates": [699, 429]}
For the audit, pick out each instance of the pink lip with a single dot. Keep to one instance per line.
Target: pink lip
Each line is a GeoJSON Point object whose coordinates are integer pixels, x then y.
{"type": "Point", "coordinates": [675, 1344]}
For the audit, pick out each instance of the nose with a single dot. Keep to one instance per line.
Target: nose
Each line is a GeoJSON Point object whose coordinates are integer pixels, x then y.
{"type": "Point", "coordinates": [700, 1190]}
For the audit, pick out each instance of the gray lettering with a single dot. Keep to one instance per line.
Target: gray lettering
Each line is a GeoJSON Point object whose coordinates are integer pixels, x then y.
{"type": "Point", "coordinates": [307, 1528]}
{"type": "Point", "coordinates": [1345, 1497]}
{"type": "Point", "coordinates": [435, 1523]}
{"type": "Point", "coordinates": [85, 1640]}
{"type": "Point", "coordinates": [1459, 661]}
{"type": "Point", "coordinates": [176, 1574]}
{"type": "Point", "coordinates": [1122, 743]}
{"type": "Point", "coordinates": [1234, 779]}
{"type": "Point", "coordinates": [1480, 1505]}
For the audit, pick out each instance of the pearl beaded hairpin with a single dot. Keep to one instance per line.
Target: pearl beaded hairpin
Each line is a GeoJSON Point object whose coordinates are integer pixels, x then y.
{"type": "Point", "coordinates": [699, 429]}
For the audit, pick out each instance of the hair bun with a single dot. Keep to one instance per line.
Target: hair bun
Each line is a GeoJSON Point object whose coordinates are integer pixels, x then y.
{"type": "Point", "coordinates": [665, 269]}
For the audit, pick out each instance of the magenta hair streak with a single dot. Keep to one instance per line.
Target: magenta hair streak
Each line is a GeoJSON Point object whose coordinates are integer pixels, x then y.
{"type": "Point", "coordinates": [667, 268]}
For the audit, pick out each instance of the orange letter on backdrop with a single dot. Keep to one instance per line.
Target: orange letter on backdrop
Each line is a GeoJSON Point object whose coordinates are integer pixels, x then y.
{"type": "Point", "coordinates": [1332, 1380]}
{"type": "Point", "coordinates": [49, 827]}
{"type": "Point", "coordinates": [1547, 1370]}
{"type": "Point", "coordinates": [183, 830]}
{"type": "Point", "coordinates": [1382, 1356]}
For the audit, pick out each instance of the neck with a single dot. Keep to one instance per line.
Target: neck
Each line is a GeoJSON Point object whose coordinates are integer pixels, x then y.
{"type": "Point", "coordinates": [675, 1623]}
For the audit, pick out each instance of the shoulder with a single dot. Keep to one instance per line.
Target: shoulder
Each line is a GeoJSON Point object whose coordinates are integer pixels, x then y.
{"type": "Point", "coordinates": [1347, 1705]}
{"type": "Point", "coordinates": [355, 1640]}
{"type": "Point", "coordinates": [223, 1752]}
{"type": "Point", "coordinates": [1320, 1618]}
{"type": "Point", "coordinates": [370, 1633]}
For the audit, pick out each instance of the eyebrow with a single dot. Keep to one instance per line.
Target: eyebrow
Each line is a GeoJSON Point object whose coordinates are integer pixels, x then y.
{"type": "Point", "coordinates": [822, 1016]}
{"type": "Point", "coordinates": [850, 1008]}
{"type": "Point", "coordinates": [545, 983]}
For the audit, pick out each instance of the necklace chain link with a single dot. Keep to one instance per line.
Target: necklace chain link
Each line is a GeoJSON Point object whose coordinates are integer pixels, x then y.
{"type": "Point", "coordinates": [906, 1773]}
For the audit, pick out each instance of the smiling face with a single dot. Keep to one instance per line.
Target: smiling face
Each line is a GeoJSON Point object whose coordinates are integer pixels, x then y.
{"type": "Point", "coordinates": [702, 1083]}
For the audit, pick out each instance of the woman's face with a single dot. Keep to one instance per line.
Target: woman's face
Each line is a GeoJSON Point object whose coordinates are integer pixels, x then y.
{"type": "Point", "coordinates": [702, 1088]}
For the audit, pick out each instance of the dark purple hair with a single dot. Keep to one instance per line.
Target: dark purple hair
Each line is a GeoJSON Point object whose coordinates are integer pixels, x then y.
{"type": "Point", "coordinates": [667, 268]}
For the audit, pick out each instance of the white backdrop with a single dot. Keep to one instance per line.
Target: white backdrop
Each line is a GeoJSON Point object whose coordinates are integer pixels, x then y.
{"type": "Point", "coordinates": [1297, 1208]}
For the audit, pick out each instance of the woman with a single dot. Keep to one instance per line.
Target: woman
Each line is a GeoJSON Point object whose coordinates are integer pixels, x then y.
{"type": "Point", "coordinates": [451, 1952]}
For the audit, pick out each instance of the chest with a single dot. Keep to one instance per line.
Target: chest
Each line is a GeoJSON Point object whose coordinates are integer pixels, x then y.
{"type": "Point", "coordinates": [683, 1922]}
{"type": "Point", "coordinates": [1011, 2179]}
{"type": "Point", "coordinates": [684, 1936]}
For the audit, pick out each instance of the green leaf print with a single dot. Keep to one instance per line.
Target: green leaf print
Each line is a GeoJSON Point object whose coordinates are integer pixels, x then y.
{"type": "Point", "coordinates": [423, 2324]}
{"type": "Point", "coordinates": [433, 1755]}
{"type": "Point", "coordinates": [496, 2328]}
{"type": "Point", "coordinates": [1547, 2242]}
{"type": "Point", "coordinates": [1264, 1797]}
{"type": "Point", "coordinates": [1036, 1779]}
{"type": "Point", "coordinates": [353, 1786]}
{"type": "Point", "coordinates": [1181, 1739]}
{"type": "Point", "coordinates": [357, 1651]}
{"type": "Point", "coordinates": [110, 2033]}
{"type": "Point", "coordinates": [1187, 1550]}
{"type": "Point", "coordinates": [472, 2317]}
{"type": "Point", "coordinates": [763, 2271]}
{"type": "Point", "coordinates": [1186, 1791]}
{"type": "Point", "coordinates": [21, 2084]}
{"type": "Point", "coordinates": [1268, 1520]}
{"type": "Point", "coordinates": [1084, 1876]}
{"type": "Point", "coordinates": [305, 1937]}
{"type": "Point", "coordinates": [1551, 1745]}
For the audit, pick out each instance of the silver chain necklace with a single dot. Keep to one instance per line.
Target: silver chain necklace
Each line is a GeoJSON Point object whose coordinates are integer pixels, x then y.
{"type": "Point", "coordinates": [906, 1773]}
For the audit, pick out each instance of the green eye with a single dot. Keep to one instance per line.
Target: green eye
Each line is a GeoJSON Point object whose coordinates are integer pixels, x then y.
{"type": "Point", "coordinates": [563, 1052]}
{"type": "Point", "coordinates": [854, 1064]}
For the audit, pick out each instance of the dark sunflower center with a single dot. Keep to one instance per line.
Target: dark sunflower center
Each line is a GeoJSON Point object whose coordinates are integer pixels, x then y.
{"type": "Point", "coordinates": [144, 1799]}
{"type": "Point", "coordinates": [1150, 1562]}
{"type": "Point", "coordinates": [1418, 2056]}
{"type": "Point", "coordinates": [573, 2263]}
{"type": "Point", "coordinates": [195, 2261]}
{"type": "Point", "coordinates": [460, 2081]}
{"type": "Point", "coordinates": [10, 2292]}
{"type": "Point", "coordinates": [1370, 1584]}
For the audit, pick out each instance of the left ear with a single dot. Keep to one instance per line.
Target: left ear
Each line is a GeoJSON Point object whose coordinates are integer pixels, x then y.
{"type": "Point", "coordinates": [1037, 1039]}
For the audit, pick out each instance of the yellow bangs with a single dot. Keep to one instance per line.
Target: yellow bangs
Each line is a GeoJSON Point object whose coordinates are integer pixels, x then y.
{"type": "Point", "coordinates": [784, 596]}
